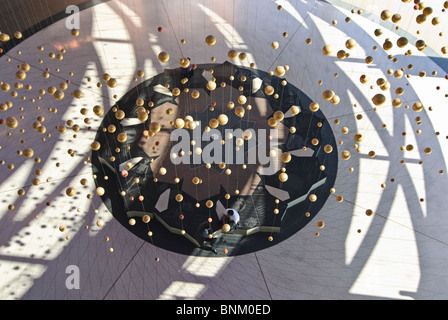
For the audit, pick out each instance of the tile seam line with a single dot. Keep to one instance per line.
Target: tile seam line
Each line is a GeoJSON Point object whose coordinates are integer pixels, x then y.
{"type": "Point", "coordinates": [262, 274]}
{"type": "Point", "coordinates": [124, 269]}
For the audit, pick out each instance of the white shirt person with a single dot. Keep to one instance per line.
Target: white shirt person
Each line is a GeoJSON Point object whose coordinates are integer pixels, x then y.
{"type": "Point", "coordinates": [231, 217]}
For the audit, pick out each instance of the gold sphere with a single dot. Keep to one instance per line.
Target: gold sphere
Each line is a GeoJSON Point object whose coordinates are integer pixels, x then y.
{"type": "Point", "coordinates": [283, 176]}
{"type": "Point", "coordinates": [285, 157]}
{"type": "Point", "coordinates": [70, 191]}
{"type": "Point", "coordinates": [155, 127]}
{"type": "Point", "coordinates": [210, 40]}
{"type": "Point", "coordinates": [269, 90]}
{"type": "Point", "coordinates": [100, 191]}
{"type": "Point", "coordinates": [378, 99]}
{"type": "Point", "coordinates": [350, 43]}
{"type": "Point", "coordinates": [327, 50]}
{"type": "Point", "coordinates": [12, 122]}
{"type": "Point", "coordinates": [226, 227]}
{"type": "Point", "coordinates": [112, 83]}
{"type": "Point", "coordinates": [345, 155]}
{"type": "Point", "coordinates": [163, 56]}
{"type": "Point", "coordinates": [327, 95]}
{"type": "Point", "coordinates": [28, 152]}
{"type": "Point", "coordinates": [232, 54]}
{"type": "Point", "coordinates": [386, 14]}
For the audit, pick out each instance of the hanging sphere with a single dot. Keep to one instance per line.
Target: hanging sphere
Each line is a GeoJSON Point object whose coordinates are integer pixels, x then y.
{"type": "Point", "coordinates": [328, 148]}
{"type": "Point", "coordinates": [280, 71]}
{"type": "Point", "coordinates": [223, 119]}
{"type": "Point", "coordinates": [112, 83]}
{"type": "Point", "coordinates": [358, 137]}
{"type": "Point", "coordinates": [100, 191]}
{"type": "Point", "coordinates": [195, 94]}
{"type": "Point", "coordinates": [184, 62]}
{"type": "Point", "coordinates": [122, 137]}
{"type": "Point", "coordinates": [239, 111]}
{"type": "Point", "coordinates": [350, 43]}
{"type": "Point", "coordinates": [402, 42]}
{"type": "Point", "coordinates": [242, 99]}
{"type": "Point", "coordinates": [21, 75]}
{"type": "Point", "coordinates": [417, 106]}
{"type": "Point", "coordinates": [95, 145]}
{"type": "Point", "coordinates": [163, 56]}
{"type": "Point", "coordinates": [312, 197]}
{"type": "Point", "coordinates": [70, 191]}
{"type": "Point", "coordinates": [146, 218]}
{"type": "Point", "coordinates": [378, 99]}
{"type": "Point", "coordinates": [285, 157]}
{"type": "Point", "coordinates": [12, 122]}
{"type": "Point", "coordinates": [28, 152]}
{"type": "Point", "coordinates": [209, 203]}
{"type": "Point", "coordinates": [295, 110]}
{"type": "Point", "coordinates": [211, 85]}
{"type": "Point", "coordinates": [179, 123]}
{"type": "Point", "coordinates": [386, 14]}
{"type": "Point", "coordinates": [275, 45]}
{"type": "Point", "coordinates": [320, 224]}
{"type": "Point", "coordinates": [98, 110]}
{"type": "Point", "coordinates": [421, 18]}
{"type": "Point", "coordinates": [226, 227]}
{"type": "Point", "coordinates": [345, 155]}
{"type": "Point", "coordinates": [210, 40]}
{"type": "Point", "coordinates": [327, 50]}
{"type": "Point", "coordinates": [283, 177]}
{"type": "Point", "coordinates": [179, 197]}
{"type": "Point", "coordinates": [278, 115]}
{"type": "Point", "coordinates": [232, 54]}
{"type": "Point", "coordinates": [387, 45]}
{"type": "Point", "coordinates": [396, 18]}
{"type": "Point", "coordinates": [155, 127]}
{"type": "Point", "coordinates": [269, 90]}
{"type": "Point", "coordinates": [327, 95]}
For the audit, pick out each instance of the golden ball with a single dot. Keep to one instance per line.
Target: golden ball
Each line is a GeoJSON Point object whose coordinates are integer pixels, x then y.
{"type": "Point", "coordinates": [345, 155]}
{"type": "Point", "coordinates": [283, 176]}
{"type": "Point", "coordinates": [179, 197]}
{"type": "Point", "coordinates": [226, 228]}
{"type": "Point", "coordinates": [285, 157]}
{"type": "Point", "coordinates": [327, 50]}
{"type": "Point", "coordinates": [210, 40]}
{"type": "Point", "coordinates": [379, 99]}
{"type": "Point", "coordinates": [269, 90]}
{"type": "Point", "coordinates": [70, 191]}
{"type": "Point", "coordinates": [155, 127]}
{"type": "Point", "coordinates": [232, 54]}
{"type": "Point", "coordinates": [386, 14]}
{"type": "Point", "coordinates": [28, 152]}
{"type": "Point", "coordinates": [100, 191]}
{"type": "Point", "coordinates": [12, 122]}
{"type": "Point", "coordinates": [350, 43]}
{"type": "Point", "coordinates": [163, 56]}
